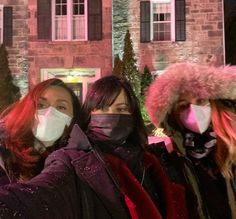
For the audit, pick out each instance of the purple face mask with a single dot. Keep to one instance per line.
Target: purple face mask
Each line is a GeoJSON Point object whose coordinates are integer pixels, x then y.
{"type": "Point", "coordinates": [112, 128]}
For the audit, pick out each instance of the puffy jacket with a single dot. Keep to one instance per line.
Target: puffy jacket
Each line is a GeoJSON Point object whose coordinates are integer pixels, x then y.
{"type": "Point", "coordinates": [202, 81]}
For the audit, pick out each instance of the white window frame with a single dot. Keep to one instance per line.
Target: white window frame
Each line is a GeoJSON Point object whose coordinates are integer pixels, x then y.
{"type": "Point", "coordinates": [70, 21]}
{"type": "Point", "coordinates": [1, 23]}
{"type": "Point", "coordinates": [172, 18]}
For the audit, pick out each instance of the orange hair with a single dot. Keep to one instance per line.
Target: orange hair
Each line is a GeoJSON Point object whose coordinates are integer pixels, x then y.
{"type": "Point", "coordinates": [225, 154]}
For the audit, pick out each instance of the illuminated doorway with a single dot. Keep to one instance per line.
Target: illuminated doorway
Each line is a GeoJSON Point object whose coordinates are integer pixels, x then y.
{"type": "Point", "coordinates": [78, 79]}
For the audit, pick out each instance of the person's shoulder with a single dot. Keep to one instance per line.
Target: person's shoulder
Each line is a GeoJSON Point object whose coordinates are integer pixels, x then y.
{"type": "Point", "coordinates": [168, 160]}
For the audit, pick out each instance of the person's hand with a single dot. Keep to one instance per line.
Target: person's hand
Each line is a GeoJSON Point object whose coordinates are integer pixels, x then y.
{"type": "Point", "coordinates": [78, 144]}
{"type": "Point", "coordinates": [78, 140]}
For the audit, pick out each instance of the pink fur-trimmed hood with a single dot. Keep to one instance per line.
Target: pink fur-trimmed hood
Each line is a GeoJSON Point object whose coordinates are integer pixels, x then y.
{"type": "Point", "coordinates": [199, 80]}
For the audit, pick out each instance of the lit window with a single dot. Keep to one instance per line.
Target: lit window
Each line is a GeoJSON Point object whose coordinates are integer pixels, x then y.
{"type": "Point", "coordinates": [69, 19]}
{"type": "Point", "coordinates": [162, 20]}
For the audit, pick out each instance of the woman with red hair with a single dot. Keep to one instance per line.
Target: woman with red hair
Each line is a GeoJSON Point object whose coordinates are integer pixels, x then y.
{"type": "Point", "coordinates": [34, 127]}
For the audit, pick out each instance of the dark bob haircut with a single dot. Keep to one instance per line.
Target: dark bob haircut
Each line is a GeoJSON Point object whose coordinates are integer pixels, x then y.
{"type": "Point", "coordinates": [103, 93]}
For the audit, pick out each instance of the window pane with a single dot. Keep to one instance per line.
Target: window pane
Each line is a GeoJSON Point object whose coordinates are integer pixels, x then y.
{"type": "Point", "coordinates": [61, 1]}
{"type": "Point", "coordinates": [58, 9]}
{"type": "Point", "coordinates": [78, 8]}
{"type": "Point", "coordinates": [61, 28]}
{"type": "Point", "coordinates": [79, 27]}
{"type": "Point", "coordinates": [77, 20]}
{"type": "Point", "coordinates": [161, 36]}
{"type": "Point", "coordinates": [81, 9]}
{"type": "Point", "coordinates": [75, 9]}
{"type": "Point", "coordinates": [162, 16]}
{"type": "Point", "coordinates": [167, 16]}
{"type": "Point", "coordinates": [167, 29]}
{"type": "Point", "coordinates": [61, 9]}
{"type": "Point", "coordinates": [64, 9]}
{"type": "Point", "coordinates": [155, 36]}
{"type": "Point", "coordinates": [155, 31]}
{"type": "Point", "coordinates": [161, 21]}
{"type": "Point", "coordinates": [155, 17]}
{"type": "Point", "coordinates": [161, 27]}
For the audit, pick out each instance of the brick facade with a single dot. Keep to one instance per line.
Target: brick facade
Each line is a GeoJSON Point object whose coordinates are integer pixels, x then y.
{"type": "Point", "coordinates": [203, 44]}
{"type": "Point", "coordinates": [69, 54]}
{"type": "Point", "coordinates": [204, 37]}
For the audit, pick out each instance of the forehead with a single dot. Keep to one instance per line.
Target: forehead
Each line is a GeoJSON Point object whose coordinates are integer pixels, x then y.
{"type": "Point", "coordinates": [121, 98]}
{"type": "Point", "coordinates": [56, 93]}
{"type": "Point", "coordinates": [187, 97]}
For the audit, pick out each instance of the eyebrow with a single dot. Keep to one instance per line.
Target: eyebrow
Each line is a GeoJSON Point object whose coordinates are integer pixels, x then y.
{"type": "Point", "coordinates": [62, 100]}
{"type": "Point", "coordinates": [118, 104]}
{"type": "Point", "coordinates": [58, 100]}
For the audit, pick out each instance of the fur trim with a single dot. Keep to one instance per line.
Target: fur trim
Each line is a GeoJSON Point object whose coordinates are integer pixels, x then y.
{"type": "Point", "coordinates": [202, 81]}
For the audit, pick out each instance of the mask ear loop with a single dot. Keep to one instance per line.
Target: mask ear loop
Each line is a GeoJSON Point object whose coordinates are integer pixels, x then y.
{"type": "Point", "coordinates": [143, 175]}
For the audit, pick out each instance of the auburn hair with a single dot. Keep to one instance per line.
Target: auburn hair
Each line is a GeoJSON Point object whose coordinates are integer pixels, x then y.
{"type": "Point", "coordinates": [18, 120]}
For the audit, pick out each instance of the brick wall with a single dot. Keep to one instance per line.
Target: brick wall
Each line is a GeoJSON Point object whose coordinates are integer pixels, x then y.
{"type": "Point", "coordinates": [204, 41]}
{"type": "Point", "coordinates": [76, 54]}
{"type": "Point", "coordinates": [204, 36]}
